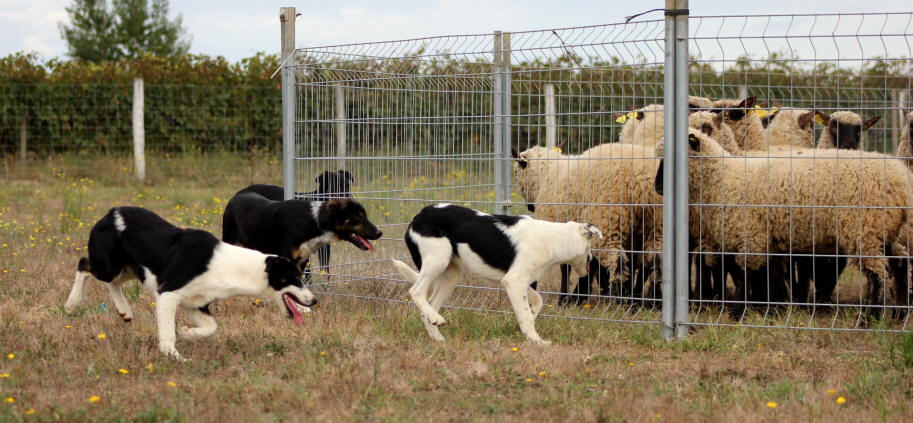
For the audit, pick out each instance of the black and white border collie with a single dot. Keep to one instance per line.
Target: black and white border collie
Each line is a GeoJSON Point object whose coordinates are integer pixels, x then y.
{"type": "Point", "coordinates": [294, 228]}
{"type": "Point", "coordinates": [330, 184]}
{"type": "Point", "coordinates": [445, 239]}
{"type": "Point", "coordinates": [187, 268]}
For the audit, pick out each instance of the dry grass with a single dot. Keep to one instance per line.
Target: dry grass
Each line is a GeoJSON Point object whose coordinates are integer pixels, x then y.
{"type": "Point", "coordinates": [361, 360]}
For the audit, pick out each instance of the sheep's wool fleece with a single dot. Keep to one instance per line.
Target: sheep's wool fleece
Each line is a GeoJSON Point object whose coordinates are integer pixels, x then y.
{"type": "Point", "coordinates": [579, 187]}
{"type": "Point", "coordinates": [784, 129]}
{"type": "Point", "coordinates": [650, 129]}
{"type": "Point", "coordinates": [877, 184]}
{"type": "Point", "coordinates": [722, 133]}
{"type": "Point", "coordinates": [749, 131]}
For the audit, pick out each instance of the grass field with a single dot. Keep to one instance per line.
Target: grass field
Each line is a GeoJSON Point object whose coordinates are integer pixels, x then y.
{"type": "Point", "coordinates": [364, 360]}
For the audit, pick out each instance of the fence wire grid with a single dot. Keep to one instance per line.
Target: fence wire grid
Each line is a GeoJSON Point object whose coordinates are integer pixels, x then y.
{"type": "Point", "coordinates": [784, 231]}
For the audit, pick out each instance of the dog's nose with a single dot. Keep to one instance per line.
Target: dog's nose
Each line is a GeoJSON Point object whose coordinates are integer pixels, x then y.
{"type": "Point", "coordinates": [313, 302]}
{"type": "Point", "coordinates": [380, 234]}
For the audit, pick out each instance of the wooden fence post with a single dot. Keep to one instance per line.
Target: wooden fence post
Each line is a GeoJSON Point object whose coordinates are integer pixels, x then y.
{"type": "Point", "coordinates": [340, 125]}
{"type": "Point", "coordinates": [139, 132]}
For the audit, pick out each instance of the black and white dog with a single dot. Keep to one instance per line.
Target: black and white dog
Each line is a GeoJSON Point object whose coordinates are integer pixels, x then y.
{"type": "Point", "coordinates": [444, 239]}
{"type": "Point", "coordinates": [329, 185]}
{"type": "Point", "coordinates": [187, 268]}
{"type": "Point", "coordinates": [295, 228]}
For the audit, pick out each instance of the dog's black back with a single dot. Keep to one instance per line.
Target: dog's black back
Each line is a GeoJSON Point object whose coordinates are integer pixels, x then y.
{"type": "Point", "coordinates": [461, 225]}
{"type": "Point", "coordinates": [271, 227]}
{"type": "Point", "coordinates": [146, 240]}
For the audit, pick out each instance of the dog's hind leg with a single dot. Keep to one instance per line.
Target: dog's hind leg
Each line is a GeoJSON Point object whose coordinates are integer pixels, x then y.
{"type": "Point", "coordinates": [517, 286]}
{"type": "Point", "coordinates": [117, 294]}
{"type": "Point", "coordinates": [165, 311]}
{"type": "Point", "coordinates": [205, 324]}
{"type": "Point", "coordinates": [436, 256]}
{"type": "Point", "coordinates": [446, 283]}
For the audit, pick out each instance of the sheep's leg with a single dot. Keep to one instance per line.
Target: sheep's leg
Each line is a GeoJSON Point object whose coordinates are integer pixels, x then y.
{"type": "Point", "coordinates": [900, 271]}
{"type": "Point", "coordinates": [827, 272]}
{"type": "Point", "coordinates": [739, 299]}
{"type": "Point", "coordinates": [563, 298]}
{"type": "Point", "coordinates": [876, 273]}
{"type": "Point", "coordinates": [800, 268]}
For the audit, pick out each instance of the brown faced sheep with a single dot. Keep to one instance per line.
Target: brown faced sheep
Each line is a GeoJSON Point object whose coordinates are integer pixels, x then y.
{"type": "Point", "coordinates": [611, 184]}
{"type": "Point", "coordinates": [645, 126]}
{"type": "Point", "coordinates": [843, 130]}
{"type": "Point", "coordinates": [753, 206]}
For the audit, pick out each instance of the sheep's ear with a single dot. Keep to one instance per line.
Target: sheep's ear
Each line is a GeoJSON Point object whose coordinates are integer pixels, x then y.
{"type": "Point", "coordinates": [763, 104]}
{"type": "Point", "coordinates": [748, 102]}
{"type": "Point", "coordinates": [869, 123]}
{"type": "Point", "coordinates": [658, 180]}
{"type": "Point", "coordinates": [769, 118]}
{"type": "Point", "coordinates": [640, 115]}
{"type": "Point", "coordinates": [805, 119]}
{"type": "Point", "coordinates": [822, 118]}
{"type": "Point", "coordinates": [718, 120]}
{"type": "Point", "coordinates": [520, 161]}
{"type": "Point", "coordinates": [694, 142]}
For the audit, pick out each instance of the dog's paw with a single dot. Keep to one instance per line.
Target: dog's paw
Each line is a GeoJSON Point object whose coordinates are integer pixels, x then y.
{"type": "Point", "coordinates": [436, 319]}
{"type": "Point", "coordinates": [173, 354]}
{"type": "Point", "coordinates": [541, 342]}
{"type": "Point", "coordinates": [128, 317]}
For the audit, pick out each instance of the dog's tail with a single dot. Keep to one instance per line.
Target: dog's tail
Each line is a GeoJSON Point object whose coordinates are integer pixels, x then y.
{"type": "Point", "coordinates": [405, 270]}
{"type": "Point", "coordinates": [77, 293]}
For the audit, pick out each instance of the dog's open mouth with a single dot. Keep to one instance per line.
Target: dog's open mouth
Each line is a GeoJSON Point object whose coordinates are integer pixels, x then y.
{"type": "Point", "coordinates": [290, 301]}
{"type": "Point", "coordinates": [360, 242]}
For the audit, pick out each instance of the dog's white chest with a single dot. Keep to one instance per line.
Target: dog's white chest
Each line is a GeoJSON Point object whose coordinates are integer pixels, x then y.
{"type": "Point", "coordinates": [472, 262]}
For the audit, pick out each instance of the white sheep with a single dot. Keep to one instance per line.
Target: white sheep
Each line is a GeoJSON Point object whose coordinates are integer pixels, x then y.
{"type": "Point", "coordinates": [754, 206]}
{"type": "Point", "coordinates": [904, 148]}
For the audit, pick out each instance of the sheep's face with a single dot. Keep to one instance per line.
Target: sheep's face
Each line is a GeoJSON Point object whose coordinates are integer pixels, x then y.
{"type": "Point", "coordinates": [699, 145]}
{"type": "Point", "coordinates": [734, 110]}
{"type": "Point", "coordinates": [846, 128]}
{"type": "Point", "coordinates": [529, 168]}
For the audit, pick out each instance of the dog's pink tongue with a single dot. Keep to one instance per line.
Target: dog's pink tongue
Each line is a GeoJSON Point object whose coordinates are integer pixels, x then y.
{"type": "Point", "coordinates": [293, 309]}
{"type": "Point", "coordinates": [365, 242]}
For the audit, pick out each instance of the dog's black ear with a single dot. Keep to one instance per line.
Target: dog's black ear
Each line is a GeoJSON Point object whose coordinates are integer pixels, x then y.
{"type": "Point", "coordinates": [272, 262]}
{"type": "Point", "coordinates": [336, 204]}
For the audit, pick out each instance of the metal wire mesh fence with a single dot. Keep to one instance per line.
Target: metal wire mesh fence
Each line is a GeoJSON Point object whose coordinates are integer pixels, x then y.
{"type": "Point", "coordinates": [42, 118]}
{"type": "Point", "coordinates": [434, 119]}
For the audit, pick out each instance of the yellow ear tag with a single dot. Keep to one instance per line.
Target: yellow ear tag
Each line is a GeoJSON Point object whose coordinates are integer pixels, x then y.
{"type": "Point", "coordinates": [621, 119]}
{"type": "Point", "coordinates": [818, 119]}
{"type": "Point", "coordinates": [758, 111]}
{"type": "Point", "coordinates": [557, 149]}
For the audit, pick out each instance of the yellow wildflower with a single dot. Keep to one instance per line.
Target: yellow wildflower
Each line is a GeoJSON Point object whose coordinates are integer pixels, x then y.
{"type": "Point", "coordinates": [771, 405]}
{"type": "Point", "coordinates": [94, 398]}
{"type": "Point", "coordinates": [841, 400]}
{"type": "Point", "coordinates": [102, 336]}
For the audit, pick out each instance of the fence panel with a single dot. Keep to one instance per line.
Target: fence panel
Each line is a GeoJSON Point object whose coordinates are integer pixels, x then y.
{"type": "Point", "coordinates": [420, 120]}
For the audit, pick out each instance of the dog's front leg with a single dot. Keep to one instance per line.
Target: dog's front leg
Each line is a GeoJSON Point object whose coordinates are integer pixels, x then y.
{"type": "Point", "coordinates": [165, 311]}
{"type": "Point", "coordinates": [205, 324]}
{"type": "Point", "coordinates": [516, 287]}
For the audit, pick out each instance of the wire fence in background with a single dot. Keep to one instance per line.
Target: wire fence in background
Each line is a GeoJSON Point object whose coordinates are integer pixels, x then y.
{"type": "Point", "coordinates": [434, 119]}
{"type": "Point", "coordinates": [97, 118]}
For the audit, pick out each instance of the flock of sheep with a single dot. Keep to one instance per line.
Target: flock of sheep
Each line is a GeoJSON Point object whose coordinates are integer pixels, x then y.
{"type": "Point", "coordinates": [771, 208]}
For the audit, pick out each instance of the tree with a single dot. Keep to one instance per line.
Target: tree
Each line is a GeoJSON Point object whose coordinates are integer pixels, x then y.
{"type": "Point", "coordinates": [126, 29]}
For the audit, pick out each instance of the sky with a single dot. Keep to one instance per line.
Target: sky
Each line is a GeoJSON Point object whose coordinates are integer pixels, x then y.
{"type": "Point", "coordinates": [238, 29]}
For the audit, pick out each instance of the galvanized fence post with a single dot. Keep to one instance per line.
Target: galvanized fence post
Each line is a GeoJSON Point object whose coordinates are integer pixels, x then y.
{"type": "Point", "coordinates": [676, 278]}
{"type": "Point", "coordinates": [501, 81]}
{"type": "Point", "coordinates": [287, 23]}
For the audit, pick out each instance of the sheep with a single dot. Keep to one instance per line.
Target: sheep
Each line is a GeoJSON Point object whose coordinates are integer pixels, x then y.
{"type": "Point", "coordinates": [792, 127]}
{"type": "Point", "coordinates": [904, 148]}
{"type": "Point", "coordinates": [750, 207]}
{"type": "Point", "coordinates": [644, 127]}
{"type": "Point", "coordinates": [610, 184]}
{"type": "Point", "coordinates": [843, 130]}
{"type": "Point", "coordinates": [747, 127]}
